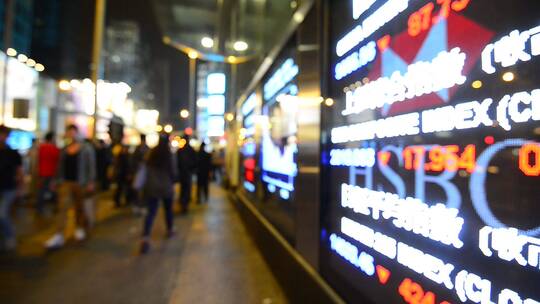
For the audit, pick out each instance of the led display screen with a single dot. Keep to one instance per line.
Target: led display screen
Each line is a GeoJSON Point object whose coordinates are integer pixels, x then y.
{"type": "Point", "coordinates": [431, 151]}
{"type": "Point", "coordinates": [248, 150]}
{"type": "Point", "coordinates": [278, 138]}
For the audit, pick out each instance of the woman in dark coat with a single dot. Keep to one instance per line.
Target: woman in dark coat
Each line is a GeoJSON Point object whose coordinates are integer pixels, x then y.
{"type": "Point", "coordinates": [159, 186]}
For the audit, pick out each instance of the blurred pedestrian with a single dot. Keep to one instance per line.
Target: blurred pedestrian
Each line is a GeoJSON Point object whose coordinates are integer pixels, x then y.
{"type": "Point", "coordinates": [160, 176]}
{"type": "Point", "coordinates": [103, 162]}
{"type": "Point", "coordinates": [218, 160]}
{"type": "Point", "coordinates": [204, 166]}
{"type": "Point", "coordinates": [32, 174]}
{"type": "Point", "coordinates": [122, 177]}
{"type": "Point", "coordinates": [48, 156]}
{"type": "Point", "coordinates": [187, 162]}
{"type": "Point", "coordinates": [11, 181]}
{"type": "Point", "coordinates": [137, 160]}
{"type": "Point", "coordinates": [76, 177]}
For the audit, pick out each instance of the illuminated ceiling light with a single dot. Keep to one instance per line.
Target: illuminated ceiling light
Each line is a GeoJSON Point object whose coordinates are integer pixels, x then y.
{"type": "Point", "coordinates": [231, 59]}
{"type": "Point", "coordinates": [207, 42]}
{"type": "Point", "coordinates": [329, 102]}
{"type": "Point", "coordinates": [159, 128]}
{"type": "Point", "coordinates": [11, 52]}
{"type": "Point", "coordinates": [193, 54]}
{"type": "Point", "coordinates": [294, 4]}
{"type": "Point", "coordinates": [31, 63]}
{"type": "Point", "coordinates": [184, 113]}
{"type": "Point", "coordinates": [229, 116]}
{"type": "Point", "coordinates": [298, 17]}
{"type": "Point", "coordinates": [477, 84]}
{"type": "Point", "coordinates": [22, 58]}
{"type": "Point", "coordinates": [64, 85]}
{"type": "Point", "coordinates": [240, 46]}
{"type": "Point", "coordinates": [39, 67]}
{"type": "Point", "coordinates": [168, 128]}
{"type": "Point", "coordinates": [508, 76]}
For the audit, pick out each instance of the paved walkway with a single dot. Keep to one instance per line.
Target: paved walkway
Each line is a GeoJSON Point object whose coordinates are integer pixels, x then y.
{"type": "Point", "coordinates": [210, 260]}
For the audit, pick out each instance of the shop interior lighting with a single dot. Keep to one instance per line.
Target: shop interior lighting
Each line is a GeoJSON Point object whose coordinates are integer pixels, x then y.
{"type": "Point", "coordinates": [240, 46]}
{"type": "Point", "coordinates": [64, 85]}
{"type": "Point", "coordinates": [22, 58]}
{"type": "Point", "coordinates": [39, 67]}
{"type": "Point", "coordinates": [31, 63]}
{"type": "Point", "coordinates": [207, 42]}
{"type": "Point", "coordinates": [11, 52]}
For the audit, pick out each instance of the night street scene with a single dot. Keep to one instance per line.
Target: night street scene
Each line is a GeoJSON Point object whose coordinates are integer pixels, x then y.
{"type": "Point", "coordinates": [270, 151]}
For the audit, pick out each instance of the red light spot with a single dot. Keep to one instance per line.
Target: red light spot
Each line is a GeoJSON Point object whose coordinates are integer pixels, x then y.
{"type": "Point", "coordinates": [489, 140]}
{"type": "Point", "coordinates": [384, 157]}
{"type": "Point", "coordinates": [383, 43]}
{"type": "Point", "coordinates": [188, 131]}
{"type": "Point", "coordinates": [383, 274]}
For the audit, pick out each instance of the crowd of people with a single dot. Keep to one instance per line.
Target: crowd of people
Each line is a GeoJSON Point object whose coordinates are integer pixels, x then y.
{"type": "Point", "coordinates": [69, 177]}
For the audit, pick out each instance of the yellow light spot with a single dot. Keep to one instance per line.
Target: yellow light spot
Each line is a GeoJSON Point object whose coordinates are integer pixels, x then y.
{"type": "Point", "coordinates": [64, 85]}
{"type": "Point", "coordinates": [193, 54]}
{"type": "Point", "coordinates": [184, 113]}
{"type": "Point", "coordinates": [329, 102]}
{"type": "Point", "coordinates": [508, 76]}
{"type": "Point", "coordinates": [477, 84]}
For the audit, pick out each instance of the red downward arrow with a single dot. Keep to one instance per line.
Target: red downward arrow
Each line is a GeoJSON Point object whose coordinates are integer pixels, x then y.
{"type": "Point", "coordinates": [384, 157]}
{"type": "Point", "coordinates": [383, 274]}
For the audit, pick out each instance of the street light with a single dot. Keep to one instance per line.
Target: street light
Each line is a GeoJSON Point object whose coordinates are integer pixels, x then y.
{"type": "Point", "coordinates": [184, 113]}
{"type": "Point", "coordinates": [168, 128]}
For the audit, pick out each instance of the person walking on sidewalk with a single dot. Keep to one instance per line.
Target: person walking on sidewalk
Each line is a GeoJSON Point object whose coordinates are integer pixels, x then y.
{"type": "Point", "coordinates": [159, 183]}
{"type": "Point", "coordinates": [48, 156]}
{"type": "Point", "coordinates": [122, 177]}
{"type": "Point", "coordinates": [137, 160]}
{"type": "Point", "coordinates": [11, 181]}
{"type": "Point", "coordinates": [187, 162]}
{"type": "Point", "coordinates": [204, 166]}
{"type": "Point", "coordinates": [103, 162]}
{"type": "Point", "coordinates": [76, 177]}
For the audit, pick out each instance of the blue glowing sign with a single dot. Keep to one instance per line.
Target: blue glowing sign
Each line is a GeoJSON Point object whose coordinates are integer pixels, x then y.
{"type": "Point", "coordinates": [216, 83]}
{"type": "Point", "coordinates": [216, 105]}
{"type": "Point", "coordinates": [285, 74]}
